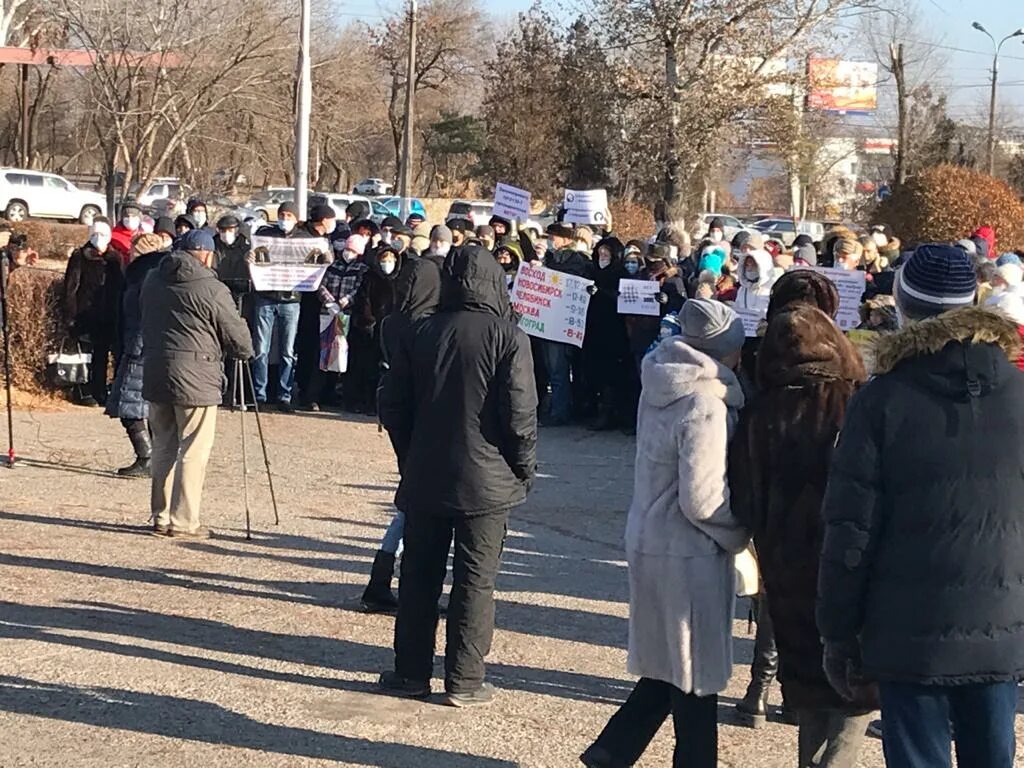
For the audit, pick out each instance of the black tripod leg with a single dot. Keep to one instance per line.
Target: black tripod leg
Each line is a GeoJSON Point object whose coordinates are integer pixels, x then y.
{"type": "Point", "coordinates": [263, 442]}
{"type": "Point", "coordinates": [7, 367]}
{"type": "Point", "coordinates": [245, 455]}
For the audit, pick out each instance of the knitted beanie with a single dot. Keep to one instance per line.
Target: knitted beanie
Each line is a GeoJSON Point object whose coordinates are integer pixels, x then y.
{"type": "Point", "coordinates": [936, 278]}
{"type": "Point", "coordinates": [711, 327]}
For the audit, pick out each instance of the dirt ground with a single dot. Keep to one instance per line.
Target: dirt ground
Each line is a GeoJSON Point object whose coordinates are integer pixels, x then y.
{"type": "Point", "coordinates": [121, 649]}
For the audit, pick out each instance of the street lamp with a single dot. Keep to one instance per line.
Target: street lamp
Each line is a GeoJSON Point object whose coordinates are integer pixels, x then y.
{"type": "Point", "coordinates": [991, 146]}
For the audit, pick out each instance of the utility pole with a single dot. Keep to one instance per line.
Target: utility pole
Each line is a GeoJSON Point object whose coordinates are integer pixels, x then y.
{"type": "Point", "coordinates": [405, 171]}
{"type": "Point", "coordinates": [990, 152]}
{"type": "Point", "coordinates": [24, 117]}
{"type": "Point", "coordinates": [303, 108]}
{"type": "Point", "coordinates": [899, 176]}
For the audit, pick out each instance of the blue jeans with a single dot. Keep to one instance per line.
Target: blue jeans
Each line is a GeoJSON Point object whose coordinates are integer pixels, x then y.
{"type": "Point", "coordinates": [285, 317]}
{"type": "Point", "coordinates": [392, 541]}
{"type": "Point", "coordinates": [558, 359]}
{"type": "Point", "coordinates": [916, 724]}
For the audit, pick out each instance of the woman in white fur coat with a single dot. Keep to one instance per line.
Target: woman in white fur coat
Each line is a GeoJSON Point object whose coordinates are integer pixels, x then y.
{"type": "Point", "coordinates": [680, 541]}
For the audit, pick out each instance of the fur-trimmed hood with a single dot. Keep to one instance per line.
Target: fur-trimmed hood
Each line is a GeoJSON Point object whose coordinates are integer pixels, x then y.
{"type": "Point", "coordinates": [673, 369]}
{"type": "Point", "coordinates": [927, 337]}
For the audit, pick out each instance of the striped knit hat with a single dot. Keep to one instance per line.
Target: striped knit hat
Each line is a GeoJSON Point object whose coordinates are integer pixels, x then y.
{"type": "Point", "coordinates": [936, 279]}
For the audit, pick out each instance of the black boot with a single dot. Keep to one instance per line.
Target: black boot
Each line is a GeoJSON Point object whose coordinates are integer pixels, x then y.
{"type": "Point", "coordinates": [752, 709]}
{"type": "Point", "coordinates": [138, 433]}
{"type": "Point", "coordinates": [378, 597]}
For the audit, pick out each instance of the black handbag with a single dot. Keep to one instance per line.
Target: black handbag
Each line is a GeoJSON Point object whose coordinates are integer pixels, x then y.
{"type": "Point", "coordinates": [68, 369]}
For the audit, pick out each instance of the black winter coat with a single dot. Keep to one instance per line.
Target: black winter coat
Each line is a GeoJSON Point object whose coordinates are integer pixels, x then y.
{"type": "Point", "coordinates": [417, 295]}
{"type": "Point", "coordinates": [778, 469]}
{"type": "Point", "coordinates": [923, 557]}
{"type": "Point", "coordinates": [231, 264]}
{"type": "Point", "coordinates": [189, 326]}
{"type": "Point", "coordinates": [606, 343]}
{"type": "Point", "coordinates": [460, 402]}
{"type": "Point", "coordinates": [570, 261]}
{"type": "Point", "coordinates": [125, 400]}
{"type": "Point", "coordinates": [92, 293]}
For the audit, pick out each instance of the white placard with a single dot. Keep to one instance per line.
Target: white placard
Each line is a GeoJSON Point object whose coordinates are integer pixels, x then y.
{"type": "Point", "coordinates": [850, 284]}
{"type": "Point", "coordinates": [636, 297]}
{"type": "Point", "coordinates": [293, 250]}
{"type": "Point", "coordinates": [302, 278]}
{"type": "Point", "coordinates": [586, 206]}
{"type": "Point", "coordinates": [751, 319]}
{"type": "Point", "coordinates": [552, 305]}
{"type": "Point", "coordinates": [511, 202]}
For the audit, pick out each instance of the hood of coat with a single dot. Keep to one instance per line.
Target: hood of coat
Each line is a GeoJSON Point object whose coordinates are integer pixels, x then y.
{"type": "Point", "coordinates": [472, 280]}
{"type": "Point", "coordinates": [673, 370]}
{"type": "Point", "coordinates": [515, 251]}
{"type": "Point", "coordinates": [372, 259]}
{"type": "Point", "coordinates": [418, 289]}
{"type": "Point", "coordinates": [183, 267]}
{"type": "Point", "coordinates": [959, 353]}
{"type": "Point", "coordinates": [136, 271]}
{"type": "Point", "coordinates": [803, 346]}
{"type": "Point", "coordinates": [765, 271]}
{"type": "Point", "coordinates": [614, 245]}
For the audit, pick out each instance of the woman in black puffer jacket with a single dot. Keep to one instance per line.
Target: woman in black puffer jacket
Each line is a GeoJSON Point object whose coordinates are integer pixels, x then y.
{"type": "Point", "coordinates": [125, 401]}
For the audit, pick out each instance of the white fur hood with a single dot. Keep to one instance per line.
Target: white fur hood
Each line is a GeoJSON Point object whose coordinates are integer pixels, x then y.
{"type": "Point", "coordinates": [673, 370]}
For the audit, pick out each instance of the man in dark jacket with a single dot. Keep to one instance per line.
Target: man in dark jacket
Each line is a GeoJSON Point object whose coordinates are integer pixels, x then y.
{"type": "Point", "coordinates": [189, 326]}
{"type": "Point", "coordinates": [465, 373]}
{"type": "Point", "coordinates": [922, 574]}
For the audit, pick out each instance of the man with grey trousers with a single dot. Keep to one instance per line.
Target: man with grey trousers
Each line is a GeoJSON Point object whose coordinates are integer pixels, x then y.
{"type": "Point", "coordinates": [189, 326]}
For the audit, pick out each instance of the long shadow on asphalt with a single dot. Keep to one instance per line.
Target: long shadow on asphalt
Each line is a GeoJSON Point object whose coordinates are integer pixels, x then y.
{"type": "Point", "coordinates": [37, 623]}
{"type": "Point", "coordinates": [209, 723]}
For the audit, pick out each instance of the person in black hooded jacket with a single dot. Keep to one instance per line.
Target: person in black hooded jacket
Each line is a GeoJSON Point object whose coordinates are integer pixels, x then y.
{"type": "Point", "coordinates": [374, 301]}
{"type": "Point", "coordinates": [606, 355]}
{"type": "Point", "coordinates": [921, 581]}
{"type": "Point", "coordinates": [465, 374]}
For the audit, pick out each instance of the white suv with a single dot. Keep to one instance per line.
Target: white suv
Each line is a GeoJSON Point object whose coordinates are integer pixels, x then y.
{"type": "Point", "coordinates": [371, 187]}
{"type": "Point", "coordinates": [46, 196]}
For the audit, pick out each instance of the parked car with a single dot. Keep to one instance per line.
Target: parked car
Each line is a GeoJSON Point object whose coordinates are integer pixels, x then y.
{"type": "Point", "coordinates": [25, 194]}
{"type": "Point", "coordinates": [700, 226]}
{"type": "Point", "coordinates": [161, 188]}
{"type": "Point", "coordinates": [378, 211]}
{"type": "Point", "coordinates": [786, 231]}
{"type": "Point", "coordinates": [477, 211]}
{"type": "Point", "coordinates": [372, 187]}
{"type": "Point", "coordinates": [265, 201]}
{"type": "Point", "coordinates": [394, 206]}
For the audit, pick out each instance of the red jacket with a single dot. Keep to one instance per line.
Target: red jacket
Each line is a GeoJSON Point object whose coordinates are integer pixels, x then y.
{"type": "Point", "coordinates": [121, 241]}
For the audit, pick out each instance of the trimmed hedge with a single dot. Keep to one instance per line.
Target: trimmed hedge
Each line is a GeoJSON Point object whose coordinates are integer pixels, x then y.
{"type": "Point", "coordinates": [52, 240]}
{"type": "Point", "coordinates": [36, 322]}
{"type": "Point", "coordinates": [947, 203]}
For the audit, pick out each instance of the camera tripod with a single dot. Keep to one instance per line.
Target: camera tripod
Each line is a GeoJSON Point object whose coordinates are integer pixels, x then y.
{"type": "Point", "coordinates": [242, 381]}
{"type": "Point", "coordinates": [4, 272]}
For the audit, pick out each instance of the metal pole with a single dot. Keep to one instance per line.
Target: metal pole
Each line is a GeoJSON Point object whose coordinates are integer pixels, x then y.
{"type": "Point", "coordinates": [239, 376]}
{"type": "Point", "coordinates": [303, 108]}
{"type": "Point", "coordinates": [991, 147]}
{"type": "Point", "coordinates": [263, 440]}
{"type": "Point", "coordinates": [405, 177]}
{"type": "Point", "coordinates": [24, 115]}
{"type": "Point", "coordinates": [4, 271]}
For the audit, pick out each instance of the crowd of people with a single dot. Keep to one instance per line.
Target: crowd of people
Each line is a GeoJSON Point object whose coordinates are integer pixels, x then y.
{"type": "Point", "coordinates": [874, 475]}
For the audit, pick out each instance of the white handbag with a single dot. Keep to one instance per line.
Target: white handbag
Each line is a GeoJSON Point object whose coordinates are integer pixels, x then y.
{"type": "Point", "coordinates": [748, 577]}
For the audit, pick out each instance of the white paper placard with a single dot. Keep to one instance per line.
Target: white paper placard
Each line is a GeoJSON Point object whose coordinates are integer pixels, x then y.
{"type": "Point", "coordinates": [850, 284]}
{"type": "Point", "coordinates": [511, 202]}
{"type": "Point", "coordinates": [636, 297]}
{"type": "Point", "coordinates": [751, 319]}
{"type": "Point", "coordinates": [552, 305]}
{"type": "Point", "coordinates": [586, 206]}
{"type": "Point", "coordinates": [302, 278]}
{"type": "Point", "coordinates": [293, 250]}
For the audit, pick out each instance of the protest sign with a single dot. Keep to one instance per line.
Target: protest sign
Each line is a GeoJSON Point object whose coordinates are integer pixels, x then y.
{"type": "Point", "coordinates": [511, 202]}
{"type": "Point", "coordinates": [553, 305]}
{"type": "Point", "coordinates": [586, 206]}
{"type": "Point", "coordinates": [751, 318]}
{"type": "Point", "coordinates": [637, 297]}
{"type": "Point", "coordinates": [288, 263]}
{"type": "Point", "coordinates": [850, 284]}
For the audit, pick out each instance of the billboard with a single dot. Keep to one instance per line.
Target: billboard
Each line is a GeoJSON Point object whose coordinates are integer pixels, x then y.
{"type": "Point", "coordinates": [836, 85]}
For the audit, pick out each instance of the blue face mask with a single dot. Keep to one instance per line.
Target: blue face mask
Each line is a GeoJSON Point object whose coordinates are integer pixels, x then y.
{"type": "Point", "coordinates": [632, 266]}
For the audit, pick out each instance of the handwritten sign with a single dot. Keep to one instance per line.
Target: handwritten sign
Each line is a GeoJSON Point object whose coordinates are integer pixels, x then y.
{"type": "Point", "coordinates": [552, 305]}
{"type": "Point", "coordinates": [302, 278]}
{"type": "Point", "coordinates": [850, 284]}
{"type": "Point", "coordinates": [637, 297]}
{"type": "Point", "coordinates": [291, 250]}
{"type": "Point", "coordinates": [586, 206]}
{"type": "Point", "coordinates": [752, 317]}
{"type": "Point", "coordinates": [511, 202]}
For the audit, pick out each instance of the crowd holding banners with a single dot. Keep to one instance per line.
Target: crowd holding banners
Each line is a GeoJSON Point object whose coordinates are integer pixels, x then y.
{"type": "Point", "coordinates": [755, 411]}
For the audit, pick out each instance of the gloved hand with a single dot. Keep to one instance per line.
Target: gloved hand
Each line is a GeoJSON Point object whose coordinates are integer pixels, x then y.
{"type": "Point", "coordinates": [841, 661]}
{"type": "Point", "coordinates": [592, 289]}
{"type": "Point", "coordinates": [661, 297]}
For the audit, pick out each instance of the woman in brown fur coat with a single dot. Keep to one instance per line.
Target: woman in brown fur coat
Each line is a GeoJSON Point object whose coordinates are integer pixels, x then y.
{"type": "Point", "coordinates": [807, 370]}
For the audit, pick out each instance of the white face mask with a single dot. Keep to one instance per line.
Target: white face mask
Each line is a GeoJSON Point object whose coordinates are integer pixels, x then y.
{"type": "Point", "coordinates": [387, 267]}
{"type": "Point", "coordinates": [753, 274]}
{"type": "Point", "coordinates": [348, 256]}
{"type": "Point", "coordinates": [604, 261]}
{"type": "Point", "coordinates": [441, 249]}
{"type": "Point", "coordinates": [200, 218]}
{"type": "Point", "coordinates": [132, 222]}
{"type": "Point", "coordinates": [716, 235]}
{"type": "Point", "coordinates": [99, 241]}
{"type": "Point", "coordinates": [286, 225]}
{"type": "Point", "coordinates": [228, 237]}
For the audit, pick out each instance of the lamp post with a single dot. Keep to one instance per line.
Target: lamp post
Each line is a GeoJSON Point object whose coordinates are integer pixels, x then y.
{"type": "Point", "coordinates": [991, 144]}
